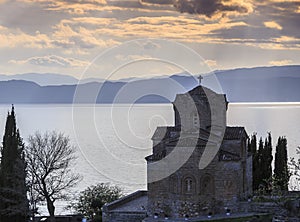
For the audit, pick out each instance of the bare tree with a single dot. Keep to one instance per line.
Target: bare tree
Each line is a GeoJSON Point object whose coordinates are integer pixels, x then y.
{"type": "Point", "coordinates": [294, 165]}
{"type": "Point", "coordinates": [50, 157]}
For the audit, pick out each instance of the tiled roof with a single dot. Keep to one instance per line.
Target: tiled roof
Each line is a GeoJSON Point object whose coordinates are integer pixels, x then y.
{"type": "Point", "coordinates": [187, 142]}
{"type": "Point", "coordinates": [168, 132]}
{"type": "Point", "coordinates": [236, 132]}
{"type": "Point", "coordinates": [134, 202]}
{"type": "Point", "coordinates": [201, 90]}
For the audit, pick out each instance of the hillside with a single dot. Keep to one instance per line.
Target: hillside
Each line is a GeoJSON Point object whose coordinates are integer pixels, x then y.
{"type": "Point", "coordinates": [262, 84]}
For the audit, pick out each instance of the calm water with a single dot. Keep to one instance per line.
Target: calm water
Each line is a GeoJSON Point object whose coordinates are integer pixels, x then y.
{"type": "Point", "coordinates": [112, 141]}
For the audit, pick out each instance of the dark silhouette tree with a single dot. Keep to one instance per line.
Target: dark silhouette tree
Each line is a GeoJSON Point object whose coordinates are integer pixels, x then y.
{"type": "Point", "coordinates": [266, 163]}
{"type": "Point", "coordinates": [281, 171]}
{"type": "Point", "coordinates": [261, 162]}
{"type": "Point", "coordinates": [252, 148]}
{"type": "Point", "coordinates": [13, 199]}
{"type": "Point", "coordinates": [92, 199]}
{"type": "Point", "coordinates": [50, 158]}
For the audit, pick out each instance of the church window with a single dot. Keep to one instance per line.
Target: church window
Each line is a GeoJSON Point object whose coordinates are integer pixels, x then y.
{"type": "Point", "coordinates": [207, 185]}
{"type": "Point", "coordinates": [188, 185]}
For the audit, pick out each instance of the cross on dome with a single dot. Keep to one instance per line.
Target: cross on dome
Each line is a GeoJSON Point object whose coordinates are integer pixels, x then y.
{"type": "Point", "coordinates": [200, 79]}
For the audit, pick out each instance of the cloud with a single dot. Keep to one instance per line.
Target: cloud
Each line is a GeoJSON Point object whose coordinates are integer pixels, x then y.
{"type": "Point", "coordinates": [2, 28]}
{"type": "Point", "coordinates": [16, 38]}
{"type": "Point", "coordinates": [272, 25]}
{"type": "Point", "coordinates": [85, 7]}
{"type": "Point", "coordinates": [149, 45]}
{"type": "Point", "coordinates": [70, 6]}
{"type": "Point", "coordinates": [128, 58]}
{"type": "Point", "coordinates": [211, 63]}
{"type": "Point", "coordinates": [71, 34]}
{"type": "Point", "coordinates": [280, 62]}
{"type": "Point", "coordinates": [158, 2]}
{"type": "Point", "coordinates": [49, 2]}
{"type": "Point", "coordinates": [212, 7]}
{"type": "Point", "coordinates": [287, 39]}
{"type": "Point", "coordinates": [52, 61]}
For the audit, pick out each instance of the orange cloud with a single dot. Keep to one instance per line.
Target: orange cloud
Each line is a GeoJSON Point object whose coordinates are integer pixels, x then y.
{"type": "Point", "coordinates": [286, 39]}
{"type": "Point", "coordinates": [274, 46]}
{"type": "Point", "coordinates": [11, 39]}
{"type": "Point", "coordinates": [280, 62]}
{"type": "Point", "coordinates": [73, 7]}
{"type": "Point", "coordinates": [80, 38]}
{"type": "Point", "coordinates": [104, 32]}
{"type": "Point", "coordinates": [82, 33]}
{"type": "Point", "coordinates": [272, 25]}
{"type": "Point", "coordinates": [211, 63]}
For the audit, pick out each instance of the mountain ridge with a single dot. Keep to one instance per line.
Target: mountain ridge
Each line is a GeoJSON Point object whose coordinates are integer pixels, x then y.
{"type": "Point", "coordinates": [259, 84]}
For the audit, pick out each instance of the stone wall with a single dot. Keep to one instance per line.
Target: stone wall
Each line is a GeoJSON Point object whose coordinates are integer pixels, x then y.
{"type": "Point", "coordinates": [125, 216]}
{"type": "Point", "coordinates": [214, 188]}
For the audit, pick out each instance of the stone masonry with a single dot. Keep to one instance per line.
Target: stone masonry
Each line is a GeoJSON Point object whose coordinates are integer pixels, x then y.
{"type": "Point", "coordinates": [226, 178]}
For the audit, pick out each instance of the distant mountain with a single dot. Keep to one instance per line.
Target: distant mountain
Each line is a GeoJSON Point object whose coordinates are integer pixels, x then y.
{"type": "Point", "coordinates": [262, 84]}
{"type": "Point", "coordinates": [48, 79]}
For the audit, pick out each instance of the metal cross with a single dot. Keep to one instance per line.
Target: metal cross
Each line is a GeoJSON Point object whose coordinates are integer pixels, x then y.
{"type": "Point", "coordinates": [200, 78]}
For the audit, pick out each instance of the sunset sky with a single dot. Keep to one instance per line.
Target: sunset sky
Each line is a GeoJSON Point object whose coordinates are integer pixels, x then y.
{"type": "Point", "coordinates": [64, 36]}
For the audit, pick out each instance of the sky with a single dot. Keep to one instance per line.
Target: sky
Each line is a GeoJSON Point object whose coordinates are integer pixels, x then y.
{"type": "Point", "coordinates": [67, 36]}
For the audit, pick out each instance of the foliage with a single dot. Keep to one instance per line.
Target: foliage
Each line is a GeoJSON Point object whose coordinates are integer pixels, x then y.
{"type": "Point", "coordinates": [252, 147]}
{"type": "Point", "coordinates": [262, 165]}
{"type": "Point", "coordinates": [261, 161]}
{"type": "Point", "coordinates": [93, 198]}
{"type": "Point", "coordinates": [50, 157]}
{"type": "Point", "coordinates": [13, 200]}
{"type": "Point", "coordinates": [281, 172]}
{"type": "Point", "coordinates": [266, 163]}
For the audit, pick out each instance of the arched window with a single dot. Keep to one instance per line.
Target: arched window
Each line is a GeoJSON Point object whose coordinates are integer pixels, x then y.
{"type": "Point", "coordinates": [189, 185]}
{"type": "Point", "coordinates": [207, 185]}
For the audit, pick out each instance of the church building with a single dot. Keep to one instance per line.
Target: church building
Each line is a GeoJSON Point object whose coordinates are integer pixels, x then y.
{"type": "Point", "coordinates": [197, 167]}
{"type": "Point", "coordinates": [200, 128]}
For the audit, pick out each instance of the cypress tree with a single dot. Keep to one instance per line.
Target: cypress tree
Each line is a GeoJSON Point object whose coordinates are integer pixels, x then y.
{"type": "Point", "coordinates": [267, 159]}
{"type": "Point", "coordinates": [13, 200]}
{"type": "Point", "coordinates": [260, 164]}
{"type": "Point", "coordinates": [252, 148]}
{"type": "Point", "coordinates": [281, 172]}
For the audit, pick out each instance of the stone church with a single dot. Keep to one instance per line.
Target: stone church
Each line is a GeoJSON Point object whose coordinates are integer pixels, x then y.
{"type": "Point", "coordinates": [198, 166]}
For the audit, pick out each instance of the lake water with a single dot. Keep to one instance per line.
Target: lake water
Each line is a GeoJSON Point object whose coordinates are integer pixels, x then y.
{"type": "Point", "coordinates": [112, 141]}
